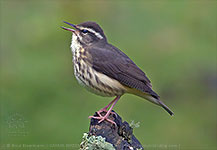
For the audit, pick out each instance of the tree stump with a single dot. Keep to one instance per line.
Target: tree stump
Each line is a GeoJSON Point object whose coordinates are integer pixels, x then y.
{"type": "Point", "coordinates": [118, 137]}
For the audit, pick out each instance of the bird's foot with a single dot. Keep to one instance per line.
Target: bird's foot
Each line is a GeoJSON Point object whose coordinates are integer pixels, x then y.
{"type": "Point", "coordinates": [106, 111]}
{"type": "Point", "coordinates": [105, 117]}
{"type": "Point", "coordinates": [102, 118]}
{"type": "Point", "coordinates": [101, 110]}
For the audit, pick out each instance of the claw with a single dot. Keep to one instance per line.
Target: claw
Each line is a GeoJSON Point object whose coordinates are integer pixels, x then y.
{"type": "Point", "coordinates": [102, 118]}
{"type": "Point", "coordinates": [104, 110]}
{"type": "Point", "coordinates": [105, 117]}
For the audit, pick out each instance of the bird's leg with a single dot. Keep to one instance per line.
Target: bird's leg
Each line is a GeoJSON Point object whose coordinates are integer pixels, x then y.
{"type": "Point", "coordinates": [106, 107]}
{"type": "Point", "coordinates": [109, 111]}
{"type": "Point", "coordinates": [102, 118]}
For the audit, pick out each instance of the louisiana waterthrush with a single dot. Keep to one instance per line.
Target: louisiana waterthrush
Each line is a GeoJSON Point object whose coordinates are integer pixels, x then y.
{"type": "Point", "coordinates": [105, 70]}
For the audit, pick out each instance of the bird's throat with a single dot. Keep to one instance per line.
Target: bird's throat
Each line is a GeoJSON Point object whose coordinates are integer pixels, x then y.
{"type": "Point", "coordinates": [75, 45]}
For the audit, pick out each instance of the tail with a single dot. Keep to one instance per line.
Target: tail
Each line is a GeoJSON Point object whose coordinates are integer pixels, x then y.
{"type": "Point", "coordinates": [155, 100]}
{"type": "Point", "coordinates": [165, 107]}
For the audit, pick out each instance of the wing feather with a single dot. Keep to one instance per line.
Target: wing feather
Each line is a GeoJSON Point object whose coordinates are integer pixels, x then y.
{"type": "Point", "coordinates": [117, 65]}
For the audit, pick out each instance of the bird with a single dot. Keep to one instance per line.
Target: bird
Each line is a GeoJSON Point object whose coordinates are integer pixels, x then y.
{"type": "Point", "coordinates": [105, 70]}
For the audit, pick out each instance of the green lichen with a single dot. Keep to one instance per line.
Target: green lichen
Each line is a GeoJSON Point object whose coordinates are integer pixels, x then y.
{"type": "Point", "coordinates": [95, 143]}
{"type": "Point", "coordinates": [134, 125]}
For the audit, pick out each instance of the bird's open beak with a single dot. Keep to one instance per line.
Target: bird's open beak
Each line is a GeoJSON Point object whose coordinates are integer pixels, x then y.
{"type": "Point", "coordinates": [69, 29]}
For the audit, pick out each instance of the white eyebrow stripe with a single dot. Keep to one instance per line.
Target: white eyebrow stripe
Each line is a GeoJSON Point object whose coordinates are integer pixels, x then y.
{"type": "Point", "coordinates": [94, 32]}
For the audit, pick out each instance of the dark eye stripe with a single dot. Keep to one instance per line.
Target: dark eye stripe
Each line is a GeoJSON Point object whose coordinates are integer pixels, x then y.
{"type": "Point", "coordinates": [84, 31]}
{"type": "Point", "coordinates": [92, 32]}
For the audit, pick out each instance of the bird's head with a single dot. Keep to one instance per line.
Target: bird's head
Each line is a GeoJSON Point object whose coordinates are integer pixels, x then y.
{"type": "Point", "coordinates": [86, 33]}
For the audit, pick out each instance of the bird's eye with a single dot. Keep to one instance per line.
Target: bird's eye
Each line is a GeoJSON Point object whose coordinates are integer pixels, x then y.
{"type": "Point", "coordinates": [84, 31]}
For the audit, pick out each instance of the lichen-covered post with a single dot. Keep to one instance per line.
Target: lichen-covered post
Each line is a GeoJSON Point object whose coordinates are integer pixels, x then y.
{"type": "Point", "coordinates": [106, 136]}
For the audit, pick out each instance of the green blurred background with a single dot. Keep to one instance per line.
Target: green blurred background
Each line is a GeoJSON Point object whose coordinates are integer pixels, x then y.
{"type": "Point", "coordinates": [174, 42]}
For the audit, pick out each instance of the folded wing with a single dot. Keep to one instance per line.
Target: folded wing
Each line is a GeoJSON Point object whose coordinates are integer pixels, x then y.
{"type": "Point", "coordinates": [119, 66]}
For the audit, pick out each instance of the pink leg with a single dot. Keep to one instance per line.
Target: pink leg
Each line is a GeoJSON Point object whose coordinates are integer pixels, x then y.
{"type": "Point", "coordinates": [102, 118]}
{"type": "Point", "coordinates": [107, 106]}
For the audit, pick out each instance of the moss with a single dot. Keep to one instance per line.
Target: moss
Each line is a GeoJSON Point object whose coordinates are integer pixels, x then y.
{"type": "Point", "coordinates": [95, 143]}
